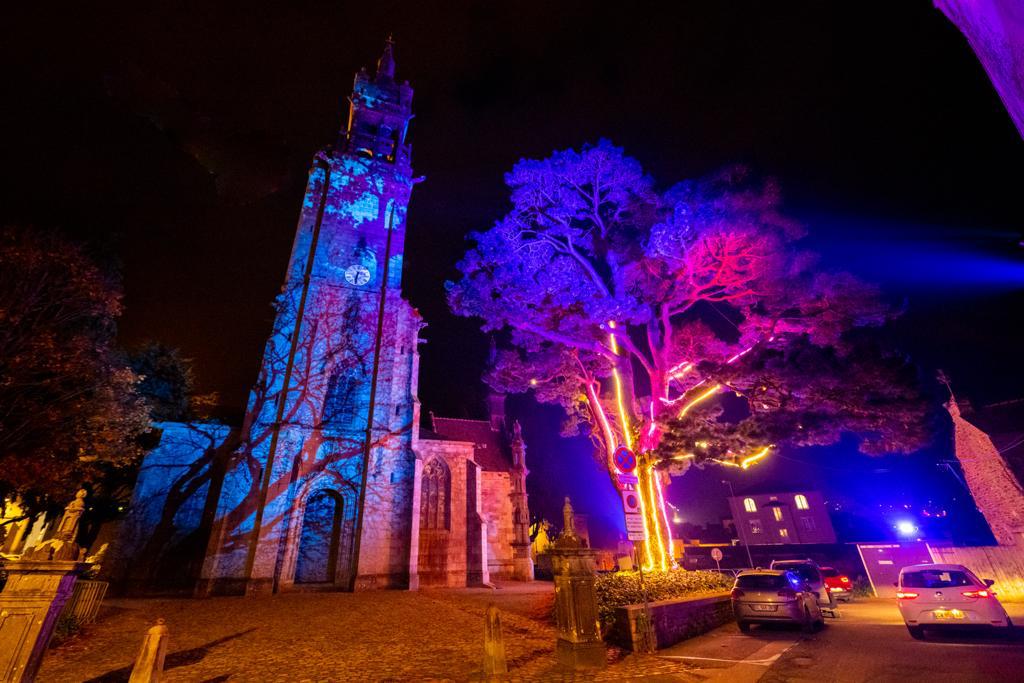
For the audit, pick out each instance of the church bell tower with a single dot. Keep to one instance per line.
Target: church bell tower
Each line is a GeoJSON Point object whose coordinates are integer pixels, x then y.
{"type": "Point", "coordinates": [327, 438]}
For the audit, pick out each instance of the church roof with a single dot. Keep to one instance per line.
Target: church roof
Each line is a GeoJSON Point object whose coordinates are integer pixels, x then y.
{"type": "Point", "coordinates": [490, 446]}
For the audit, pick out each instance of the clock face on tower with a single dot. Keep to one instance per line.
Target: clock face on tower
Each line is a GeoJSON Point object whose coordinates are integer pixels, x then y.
{"type": "Point", "coordinates": [357, 274]}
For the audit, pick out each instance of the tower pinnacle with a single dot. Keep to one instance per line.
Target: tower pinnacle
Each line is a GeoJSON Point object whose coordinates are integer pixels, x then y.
{"type": "Point", "coordinates": [386, 63]}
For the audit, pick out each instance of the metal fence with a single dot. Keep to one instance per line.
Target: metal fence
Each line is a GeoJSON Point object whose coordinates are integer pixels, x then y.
{"type": "Point", "coordinates": [85, 601]}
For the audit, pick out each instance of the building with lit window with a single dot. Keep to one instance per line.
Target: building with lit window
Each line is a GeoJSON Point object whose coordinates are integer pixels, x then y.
{"type": "Point", "coordinates": [776, 518]}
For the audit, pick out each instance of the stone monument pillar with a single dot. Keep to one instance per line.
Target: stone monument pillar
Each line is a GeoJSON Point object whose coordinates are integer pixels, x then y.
{"type": "Point", "coordinates": [522, 561]}
{"type": "Point", "coordinates": [38, 586]}
{"type": "Point", "coordinates": [579, 630]}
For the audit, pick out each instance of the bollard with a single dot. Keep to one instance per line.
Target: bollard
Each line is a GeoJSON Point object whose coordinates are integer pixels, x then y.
{"type": "Point", "coordinates": [494, 644]}
{"type": "Point", "coordinates": [149, 665]}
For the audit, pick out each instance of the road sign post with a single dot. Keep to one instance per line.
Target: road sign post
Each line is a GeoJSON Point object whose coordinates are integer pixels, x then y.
{"type": "Point", "coordinates": [625, 463]}
{"type": "Point", "coordinates": [716, 555]}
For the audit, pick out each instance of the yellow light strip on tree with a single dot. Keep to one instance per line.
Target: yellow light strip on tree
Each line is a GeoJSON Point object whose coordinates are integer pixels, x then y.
{"type": "Point", "coordinates": [708, 393]}
{"type": "Point", "coordinates": [760, 455]}
{"type": "Point", "coordinates": [624, 420]}
{"type": "Point", "coordinates": [670, 560]}
{"type": "Point", "coordinates": [745, 462]}
{"type": "Point", "coordinates": [627, 437]}
{"type": "Point", "coordinates": [648, 560]}
{"type": "Point", "coordinates": [654, 519]}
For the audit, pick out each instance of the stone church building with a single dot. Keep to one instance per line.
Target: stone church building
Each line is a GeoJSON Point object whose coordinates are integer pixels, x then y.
{"type": "Point", "coordinates": [330, 482]}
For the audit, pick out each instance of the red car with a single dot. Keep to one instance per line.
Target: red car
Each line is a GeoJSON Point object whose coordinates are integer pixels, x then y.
{"type": "Point", "coordinates": [839, 585]}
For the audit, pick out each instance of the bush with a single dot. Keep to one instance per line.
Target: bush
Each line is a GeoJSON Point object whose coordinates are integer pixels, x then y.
{"type": "Point", "coordinates": [66, 628]}
{"type": "Point", "coordinates": [623, 588]}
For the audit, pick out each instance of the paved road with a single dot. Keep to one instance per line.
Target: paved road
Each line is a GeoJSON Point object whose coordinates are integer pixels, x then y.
{"type": "Point", "coordinates": [867, 643]}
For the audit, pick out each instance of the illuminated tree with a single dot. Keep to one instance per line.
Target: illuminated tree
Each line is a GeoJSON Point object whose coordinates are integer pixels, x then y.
{"type": "Point", "coordinates": [167, 382]}
{"type": "Point", "coordinates": [683, 324]}
{"type": "Point", "coordinates": [69, 412]}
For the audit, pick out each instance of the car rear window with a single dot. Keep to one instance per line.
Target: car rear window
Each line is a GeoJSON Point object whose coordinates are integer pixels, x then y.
{"type": "Point", "coordinates": [806, 572]}
{"type": "Point", "coordinates": [937, 578]}
{"type": "Point", "coordinates": [829, 572]}
{"type": "Point", "coordinates": [761, 581]}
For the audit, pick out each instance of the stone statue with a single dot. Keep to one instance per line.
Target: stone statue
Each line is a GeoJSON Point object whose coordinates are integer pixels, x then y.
{"type": "Point", "coordinates": [62, 546]}
{"type": "Point", "coordinates": [67, 530]}
{"type": "Point", "coordinates": [568, 519]}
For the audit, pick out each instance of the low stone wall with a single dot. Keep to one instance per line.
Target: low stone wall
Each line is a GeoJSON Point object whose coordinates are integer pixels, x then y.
{"type": "Point", "coordinates": [672, 620]}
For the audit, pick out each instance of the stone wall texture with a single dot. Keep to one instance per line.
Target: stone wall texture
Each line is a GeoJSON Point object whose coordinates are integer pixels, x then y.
{"type": "Point", "coordinates": [497, 511]}
{"type": "Point", "coordinates": [672, 620]}
{"type": "Point", "coordinates": [1004, 565]}
{"type": "Point", "coordinates": [996, 491]}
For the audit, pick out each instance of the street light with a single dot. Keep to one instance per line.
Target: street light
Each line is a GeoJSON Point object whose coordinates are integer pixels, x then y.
{"type": "Point", "coordinates": [739, 526]}
{"type": "Point", "coordinates": [906, 528]}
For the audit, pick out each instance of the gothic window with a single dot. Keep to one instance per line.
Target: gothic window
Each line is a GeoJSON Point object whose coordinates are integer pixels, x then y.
{"type": "Point", "coordinates": [755, 526]}
{"type": "Point", "coordinates": [341, 405]}
{"type": "Point", "coordinates": [783, 533]}
{"type": "Point", "coordinates": [365, 208]}
{"type": "Point", "coordinates": [801, 502]}
{"type": "Point", "coordinates": [749, 505]}
{"type": "Point", "coordinates": [777, 514]}
{"type": "Point", "coordinates": [435, 496]}
{"type": "Point", "coordinates": [808, 523]}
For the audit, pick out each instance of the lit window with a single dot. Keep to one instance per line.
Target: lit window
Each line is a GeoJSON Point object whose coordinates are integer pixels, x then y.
{"type": "Point", "coordinates": [777, 513]}
{"type": "Point", "coordinates": [748, 505]}
{"type": "Point", "coordinates": [801, 502]}
{"type": "Point", "coordinates": [783, 533]}
{"type": "Point", "coordinates": [755, 526]}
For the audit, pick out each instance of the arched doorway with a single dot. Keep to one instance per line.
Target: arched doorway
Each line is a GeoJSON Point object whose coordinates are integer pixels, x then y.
{"type": "Point", "coordinates": [435, 522]}
{"type": "Point", "coordinates": [317, 560]}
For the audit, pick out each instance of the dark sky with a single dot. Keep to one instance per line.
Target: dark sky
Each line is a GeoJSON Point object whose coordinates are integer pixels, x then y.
{"type": "Point", "coordinates": [176, 140]}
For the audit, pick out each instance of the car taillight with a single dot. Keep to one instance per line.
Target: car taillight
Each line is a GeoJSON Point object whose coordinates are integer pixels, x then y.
{"type": "Point", "coordinates": [902, 595]}
{"type": "Point", "coordinates": [787, 593]}
{"type": "Point", "coordinates": [977, 594]}
{"type": "Point", "coordinates": [737, 592]}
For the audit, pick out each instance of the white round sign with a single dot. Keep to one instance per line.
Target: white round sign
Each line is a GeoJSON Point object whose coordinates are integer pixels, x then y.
{"type": "Point", "coordinates": [716, 554]}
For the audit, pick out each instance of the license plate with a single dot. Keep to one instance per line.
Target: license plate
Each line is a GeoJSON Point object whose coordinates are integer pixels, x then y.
{"type": "Point", "coordinates": [948, 614]}
{"type": "Point", "coordinates": [764, 608]}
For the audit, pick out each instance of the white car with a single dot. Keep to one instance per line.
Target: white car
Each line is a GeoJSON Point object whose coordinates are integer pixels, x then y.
{"type": "Point", "coordinates": [942, 595]}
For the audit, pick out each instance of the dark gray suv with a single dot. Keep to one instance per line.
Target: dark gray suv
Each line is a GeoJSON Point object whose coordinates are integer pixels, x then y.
{"type": "Point", "coordinates": [765, 596]}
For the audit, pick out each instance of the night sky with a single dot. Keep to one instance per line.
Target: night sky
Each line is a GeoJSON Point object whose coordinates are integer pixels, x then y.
{"type": "Point", "coordinates": [176, 142]}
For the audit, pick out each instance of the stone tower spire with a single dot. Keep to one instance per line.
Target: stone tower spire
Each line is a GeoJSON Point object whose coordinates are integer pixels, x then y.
{"type": "Point", "coordinates": [386, 63]}
{"type": "Point", "coordinates": [379, 114]}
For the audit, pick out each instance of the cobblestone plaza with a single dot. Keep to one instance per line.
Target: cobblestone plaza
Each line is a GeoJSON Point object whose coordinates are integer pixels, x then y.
{"type": "Point", "coordinates": [370, 636]}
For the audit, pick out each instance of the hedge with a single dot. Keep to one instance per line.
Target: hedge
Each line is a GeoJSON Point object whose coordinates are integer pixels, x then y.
{"type": "Point", "coordinates": [623, 588]}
